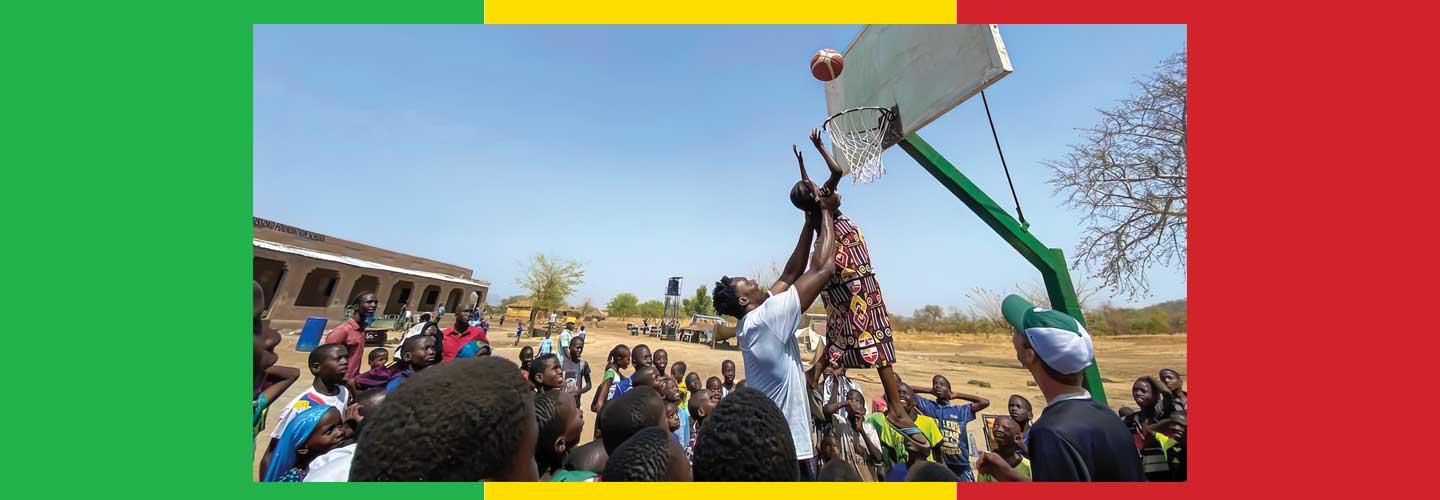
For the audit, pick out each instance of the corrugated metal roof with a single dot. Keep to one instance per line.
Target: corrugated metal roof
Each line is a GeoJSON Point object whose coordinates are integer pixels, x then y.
{"type": "Point", "coordinates": [351, 261]}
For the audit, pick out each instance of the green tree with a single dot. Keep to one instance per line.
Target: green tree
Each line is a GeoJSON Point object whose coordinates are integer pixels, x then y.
{"type": "Point", "coordinates": [702, 303]}
{"type": "Point", "coordinates": [652, 309]}
{"type": "Point", "coordinates": [550, 280]}
{"type": "Point", "coordinates": [624, 305]}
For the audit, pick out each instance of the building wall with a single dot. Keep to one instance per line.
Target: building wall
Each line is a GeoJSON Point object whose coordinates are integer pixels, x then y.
{"type": "Point", "coordinates": [282, 275]}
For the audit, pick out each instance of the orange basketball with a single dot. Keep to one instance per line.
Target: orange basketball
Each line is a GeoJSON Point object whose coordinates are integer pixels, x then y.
{"type": "Point", "coordinates": [827, 64]}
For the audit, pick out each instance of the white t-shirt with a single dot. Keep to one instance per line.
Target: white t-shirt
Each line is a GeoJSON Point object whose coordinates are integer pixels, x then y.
{"type": "Point", "coordinates": [845, 386]}
{"type": "Point", "coordinates": [332, 467]}
{"type": "Point", "coordinates": [304, 401]}
{"type": "Point", "coordinates": [772, 363]}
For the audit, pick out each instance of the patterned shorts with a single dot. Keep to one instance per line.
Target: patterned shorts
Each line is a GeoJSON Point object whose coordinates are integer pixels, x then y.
{"type": "Point", "coordinates": [858, 332]}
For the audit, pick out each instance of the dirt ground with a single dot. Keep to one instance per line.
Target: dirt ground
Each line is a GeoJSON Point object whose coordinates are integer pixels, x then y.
{"type": "Point", "coordinates": [960, 358]}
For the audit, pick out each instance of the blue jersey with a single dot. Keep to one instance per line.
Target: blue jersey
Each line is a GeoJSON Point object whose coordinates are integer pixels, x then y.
{"type": "Point", "coordinates": [955, 448]}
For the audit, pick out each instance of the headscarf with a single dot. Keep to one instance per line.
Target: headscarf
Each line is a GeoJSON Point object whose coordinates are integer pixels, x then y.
{"type": "Point", "coordinates": [296, 432]}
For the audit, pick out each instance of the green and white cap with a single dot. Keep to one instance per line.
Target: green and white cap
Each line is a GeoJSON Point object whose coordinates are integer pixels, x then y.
{"type": "Point", "coordinates": [1059, 340]}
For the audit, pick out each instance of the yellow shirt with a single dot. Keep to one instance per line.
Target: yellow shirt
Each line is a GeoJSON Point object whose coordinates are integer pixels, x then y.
{"type": "Point", "coordinates": [893, 441]}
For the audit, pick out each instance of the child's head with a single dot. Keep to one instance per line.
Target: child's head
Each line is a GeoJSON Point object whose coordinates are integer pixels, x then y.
{"type": "Point", "coordinates": [474, 412]}
{"type": "Point", "coordinates": [1006, 433]}
{"type": "Point", "coordinates": [713, 384]}
{"type": "Point", "coordinates": [942, 389]}
{"type": "Point", "coordinates": [527, 354]}
{"type": "Point", "coordinates": [370, 401]}
{"type": "Point", "coordinates": [640, 356]}
{"type": "Point", "coordinates": [692, 381]}
{"type": "Point", "coordinates": [435, 332]}
{"type": "Point", "coordinates": [670, 390]}
{"type": "Point", "coordinates": [309, 434]}
{"type": "Point", "coordinates": [418, 352]}
{"type": "Point", "coordinates": [1150, 395]}
{"type": "Point", "coordinates": [650, 455]}
{"type": "Point", "coordinates": [661, 360]}
{"type": "Point", "coordinates": [839, 471]}
{"type": "Point", "coordinates": [645, 376]}
{"type": "Point", "coordinates": [745, 439]}
{"type": "Point", "coordinates": [804, 195]}
{"type": "Point", "coordinates": [576, 347]}
{"type": "Point", "coordinates": [619, 356]}
{"type": "Point", "coordinates": [545, 373]}
{"type": "Point", "coordinates": [930, 472]}
{"type": "Point", "coordinates": [727, 370]}
{"type": "Point", "coordinates": [677, 370]}
{"type": "Point", "coordinates": [328, 363]}
{"type": "Point", "coordinates": [672, 416]}
{"type": "Point", "coordinates": [855, 404]}
{"type": "Point", "coordinates": [829, 448]}
{"type": "Point", "coordinates": [1172, 380]}
{"type": "Point", "coordinates": [1019, 408]}
{"type": "Point", "coordinates": [378, 357]}
{"type": "Point", "coordinates": [627, 414]}
{"type": "Point", "coordinates": [907, 397]}
{"type": "Point", "coordinates": [560, 425]}
{"type": "Point", "coordinates": [701, 404]}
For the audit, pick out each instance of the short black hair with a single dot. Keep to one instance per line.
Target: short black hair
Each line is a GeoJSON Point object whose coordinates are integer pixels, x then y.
{"type": "Point", "coordinates": [679, 365]}
{"type": "Point", "coordinates": [370, 400]}
{"type": "Point", "coordinates": [590, 456]}
{"type": "Point", "coordinates": [697, 399]}
{"type": "Point", "coordinates": [644, 376]}
{"type": "Point", "coordinates": [838, 471]}
{"type": "Point", "coordinates": [643, 457]}
{"type": "Point", "coordinates": [538, 364]}
{"type": "Point", "coordinates": [355, 300]}
{"type": "Point", "coordinates": [460, 421]}
{"type": "Point", "coordinates": [377, 350]}
{"type": "Point", "coordinates": [930, 472]}
{"type": "Point", "coordinates": [548, 408]}
{"type": "Point", "coordinates": [638, 408]}
{"type": "Point", "coordinates": [726, 299]}
{"type": "Point", "coordinates": [318, 354]}
{"type": "Point", "coordinates": [745, 439]}
{"type": "Point", "coordinates": [716, 379]}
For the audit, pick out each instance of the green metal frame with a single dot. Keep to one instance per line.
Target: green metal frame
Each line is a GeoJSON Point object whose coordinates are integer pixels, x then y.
{"type": "Point", "coordinates": [1050, 261]}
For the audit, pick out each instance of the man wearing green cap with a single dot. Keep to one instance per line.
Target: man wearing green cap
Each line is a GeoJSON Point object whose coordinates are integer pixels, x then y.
{"type": "Point", "coordinates": [1075, 439]}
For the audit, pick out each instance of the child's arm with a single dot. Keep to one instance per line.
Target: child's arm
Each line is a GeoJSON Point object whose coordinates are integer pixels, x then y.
{"type": "Point", "coordinates": [585, 375]}
{"type": "Point", "coordinates": [835, 402]}
{"type": "Point", "coordinates": [835, 172]}
{"type": "Point", "coordinates": [597, 402]}
{"type": "Point", "coordinates": [977, 403]}
{"type": "Point", "coordinates": [279, 378]}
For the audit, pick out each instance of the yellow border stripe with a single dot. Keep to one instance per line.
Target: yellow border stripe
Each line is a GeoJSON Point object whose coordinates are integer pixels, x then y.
{"type": "Point", "coordinates": [731, 12]}
{"type": "Point", "coordinates": [729, 491]}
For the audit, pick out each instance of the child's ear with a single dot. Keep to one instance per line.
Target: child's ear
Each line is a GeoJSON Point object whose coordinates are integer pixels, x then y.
{"type": "Point", "coordinates": [560, 445]}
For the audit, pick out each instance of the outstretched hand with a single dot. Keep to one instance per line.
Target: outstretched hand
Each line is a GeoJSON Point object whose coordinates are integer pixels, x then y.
{"type": "Point", "coordinates": [798, 156]}
{"type": "Point", "coordinates": [815, 138]}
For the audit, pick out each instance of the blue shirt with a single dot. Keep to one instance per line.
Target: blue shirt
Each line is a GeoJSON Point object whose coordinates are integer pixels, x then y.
{"type": "Point", "coordinates": [395, 382]}
{"type": "Point", "coordinates": [620, 388]}
{"type": "Point", "coordinates": [952, 420]}
{"type": "Point", "coordinates": [683, 433]}
{"type": "Point", "coordinates": [546, 346]}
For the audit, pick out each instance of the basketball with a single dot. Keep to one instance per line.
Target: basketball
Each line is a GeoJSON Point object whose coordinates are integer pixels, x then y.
{"type": "Point", "coordinates": [826, 65]}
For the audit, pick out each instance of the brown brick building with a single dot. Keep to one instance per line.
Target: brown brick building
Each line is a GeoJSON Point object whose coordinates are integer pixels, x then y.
{"type": "Point", "coordinates": [310, 274]}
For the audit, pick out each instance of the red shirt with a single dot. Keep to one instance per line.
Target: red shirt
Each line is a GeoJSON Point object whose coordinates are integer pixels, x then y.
{"type": "Point", "coordinates": [454, 340]}
{"type": "Point", "coordinates": [353, 338]}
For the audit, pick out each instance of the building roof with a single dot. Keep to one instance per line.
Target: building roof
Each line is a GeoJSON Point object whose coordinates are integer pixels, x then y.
{"type": "Point", "coordinates": [361, 263]}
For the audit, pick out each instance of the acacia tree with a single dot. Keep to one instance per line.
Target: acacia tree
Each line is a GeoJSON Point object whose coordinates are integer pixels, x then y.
{"type": "Point", "coordinates": [623, 305]}
{"type": "Point", "coordinates": [1128, 175]}
{"type": "Point", "coordinates": [701, 303]}
{"type": "Point", "coordinates": [550, 280]}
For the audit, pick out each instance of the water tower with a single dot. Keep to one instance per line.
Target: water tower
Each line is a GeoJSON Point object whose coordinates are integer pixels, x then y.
{"type": "Point", "coordinates": [672, 306]}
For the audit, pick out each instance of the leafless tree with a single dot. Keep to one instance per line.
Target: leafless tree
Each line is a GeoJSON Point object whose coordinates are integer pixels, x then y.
{"type": "Point", "coordinates": [1034, 291]}
{"type": "Point", "coordinates": [985, 303]}
{"type": "Point", "coordinates": [1128, 174]}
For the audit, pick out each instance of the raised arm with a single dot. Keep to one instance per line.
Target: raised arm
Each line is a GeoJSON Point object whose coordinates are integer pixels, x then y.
{"type": "Point", "coordinates": [822, 262]}
{"type": "Point", "coordinates": [977, 403]}
{"type": "Point", "coordinates": [835, 172]}
{"type": "Point", "coordinates": [795, 266]}
{"type": "Point", "coordinates": [585, 376]}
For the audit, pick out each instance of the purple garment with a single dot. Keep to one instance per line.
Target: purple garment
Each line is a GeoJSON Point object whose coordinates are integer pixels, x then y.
{"type": "Point", "coordinates": [378, 377]}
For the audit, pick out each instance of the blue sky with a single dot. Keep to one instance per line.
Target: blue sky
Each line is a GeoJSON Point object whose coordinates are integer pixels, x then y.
{"type": "Point", "coordinates": [655, 151]}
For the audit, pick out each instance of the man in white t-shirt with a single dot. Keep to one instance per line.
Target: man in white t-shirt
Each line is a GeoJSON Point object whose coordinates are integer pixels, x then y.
{"type": "Point", "coordinates": [766, 332]}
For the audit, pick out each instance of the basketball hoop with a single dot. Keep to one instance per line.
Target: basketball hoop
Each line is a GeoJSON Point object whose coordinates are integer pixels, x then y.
{"type": "Point", "coordinates": [860, 134]}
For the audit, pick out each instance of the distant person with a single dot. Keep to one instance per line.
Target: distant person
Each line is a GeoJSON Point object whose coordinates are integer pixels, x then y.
{"type": "Point", "coordinates": [577, 371]}
{"type": "Point", "coordinates": [582, 332]}
{"type": "Point", "coordinates": [547, 346]}
{"type": "Point", "coordinates": [417, 354]}
{"type": "Point", "coordinates": [1076, 439]}
{"type": "Point", "coordinates": [1157, 427]}
{"type": "Point", "coordinates": [1006, 435]}
{"type": "Point", "coordinates": [382, 370]}
{"type": "Point", "coordinates": [405, 312]}
{"type": "Point", "coordinates": [351, 333]}
{"type": "Point", "coordinates": [769, 318]}
{"type": "Point", "coordinates": [519, 329]}
{"type": "Point", "coordinates": [460, 334]}
{"type": "Point", "coordinates": [475, 412]}
{"type": "Point", "coordinates": [328, 366]}
{"type": "Point", "coordinates": [1175, 385]}
{"type": "Point", "coordinates": [527, 354]}
{"type": "Point", "coordinates": [565, 336]}
{"type": "Point", "coordinates": [953, 420]}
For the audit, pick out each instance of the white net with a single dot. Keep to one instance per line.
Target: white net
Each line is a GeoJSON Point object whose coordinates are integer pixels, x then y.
{"type": "Point", "coordinates": [859, 134]}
